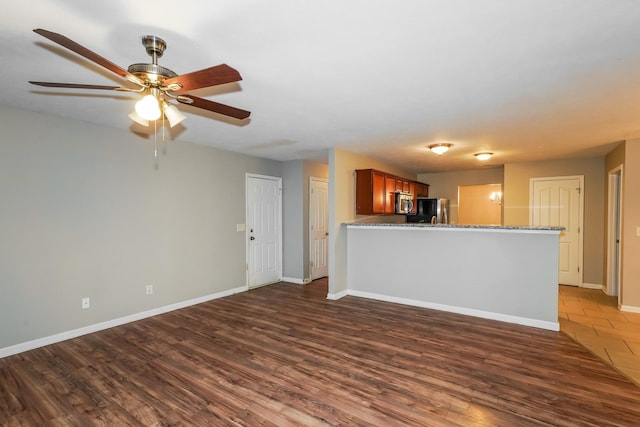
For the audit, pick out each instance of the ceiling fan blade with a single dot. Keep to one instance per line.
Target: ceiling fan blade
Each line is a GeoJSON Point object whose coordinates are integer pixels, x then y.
{"type": "Point", "coordinates": [81, 86]}
{"type": "Point", "coordinates": [211, 76]}
{"type": "Point", "coordinates": [90, 55]}
{"type": "Point", "coordinates": [214, 106]}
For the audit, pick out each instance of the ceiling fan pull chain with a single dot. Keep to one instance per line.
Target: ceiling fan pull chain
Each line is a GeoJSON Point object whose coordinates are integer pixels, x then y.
{"type": "Point", "coordinates": [155, 140]}
{"type": "Point", "coordinates": [164, 147]}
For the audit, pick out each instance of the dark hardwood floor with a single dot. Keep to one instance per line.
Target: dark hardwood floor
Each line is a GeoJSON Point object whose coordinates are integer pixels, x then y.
{"type": "Point", "coordinates": [284, 355]}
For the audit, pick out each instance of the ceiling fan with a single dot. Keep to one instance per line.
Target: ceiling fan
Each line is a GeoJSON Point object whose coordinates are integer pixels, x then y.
{"type": "Point", "coordinates": [157, 83]}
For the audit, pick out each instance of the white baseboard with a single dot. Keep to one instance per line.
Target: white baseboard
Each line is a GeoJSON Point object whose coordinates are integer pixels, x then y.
{"type": "Point", "coordinates": [338, 295]}
{"type": "Point", "coordinates": [591, 286]}
{"type": "Point", "coordinates": [296, 280]}
{"type": "Point", "coordinates": [552, 326]}
{"type": "Point", "coordinates": [63, 336]}
{"type": "Point", "coordinates": [630, 309]}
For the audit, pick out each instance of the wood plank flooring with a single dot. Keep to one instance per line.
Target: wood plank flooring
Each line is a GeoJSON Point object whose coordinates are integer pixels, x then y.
{"type": "Point", "coordinates": [283, 355]}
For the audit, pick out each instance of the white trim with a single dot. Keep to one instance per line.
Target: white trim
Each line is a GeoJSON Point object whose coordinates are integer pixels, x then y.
{"type": "Point", "coordinates": [630, 309]}
{"type": "Point", "coordinates": [296, 280]}
{"type": "Point", "coordinates": [74, 333]}
{"type": "Point", "coordinates": [338, 295]}
{"type": "Point", "coordinates": [591, 286]}
{"type": "Point", "coordinates": [552, 326]}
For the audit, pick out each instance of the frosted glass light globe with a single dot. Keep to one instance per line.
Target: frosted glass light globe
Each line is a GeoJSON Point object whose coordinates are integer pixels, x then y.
{"type": "Point", "coordinates": [148, 108]}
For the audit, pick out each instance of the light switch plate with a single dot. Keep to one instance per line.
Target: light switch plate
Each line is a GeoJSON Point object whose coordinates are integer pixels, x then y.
{"type": "Point", "coordinates": [240, 227]}
{"type": "Point", "coordinates": [637, 231]}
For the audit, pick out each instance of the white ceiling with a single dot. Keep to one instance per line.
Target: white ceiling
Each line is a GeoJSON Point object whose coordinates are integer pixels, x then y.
{"type": "Point", "coordinates": [525, 79]}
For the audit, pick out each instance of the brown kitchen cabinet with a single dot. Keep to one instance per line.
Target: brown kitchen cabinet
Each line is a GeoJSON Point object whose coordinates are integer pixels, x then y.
{"type": "Point", "coordinates": [375, 191]}
{"type": "Point", "coordinates": [390, 194]}
{"type": "Point", "coordinates": [370, 192]}
{"type": "Point", "coordinates": [419, 190]}
{"type": "Point", "coordinates": [422, 190]}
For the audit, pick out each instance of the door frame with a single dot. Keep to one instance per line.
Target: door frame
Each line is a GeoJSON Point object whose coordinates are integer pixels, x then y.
{"type": "Point", "coordinates": [311, 246]}
{"type": "Point", "coordinates": [614, 222]}
{"type": "Point", "coordinates": [278, 220]}
{"type": "Point", "coordinates": [580, 216]}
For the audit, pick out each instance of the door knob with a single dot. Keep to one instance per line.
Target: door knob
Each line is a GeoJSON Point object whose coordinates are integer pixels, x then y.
{"type": "Point", "coordinates": [252, 238]}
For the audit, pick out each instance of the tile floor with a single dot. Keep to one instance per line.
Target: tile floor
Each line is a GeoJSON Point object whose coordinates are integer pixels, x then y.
{"type": "Point", "coordinates": [591, 318]}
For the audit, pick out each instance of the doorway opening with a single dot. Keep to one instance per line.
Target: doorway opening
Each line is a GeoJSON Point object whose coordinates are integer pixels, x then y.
{"type": "Point", "coordinates": [614, 233]}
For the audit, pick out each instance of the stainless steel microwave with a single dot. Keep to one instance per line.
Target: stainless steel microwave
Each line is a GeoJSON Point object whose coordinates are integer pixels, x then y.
{"type": "Point", "coordinates": [404, 203]}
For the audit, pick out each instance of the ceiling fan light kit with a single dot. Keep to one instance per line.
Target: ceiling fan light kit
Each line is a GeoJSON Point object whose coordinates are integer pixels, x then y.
{"type": "Point", "coordinates": [148, 108]}
{"type": "Point", "coordinates": [159, 84]}
{"type": "Point", "coordinates": [172, 114]}
{"type": "Point", "coordinates": [440, 149]}
{"type": "Point", "coordinates": [136, 118]}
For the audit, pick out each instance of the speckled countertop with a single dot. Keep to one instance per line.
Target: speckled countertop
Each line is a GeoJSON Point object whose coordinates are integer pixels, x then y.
{"type": "Point", "coordinates": [451, 226]}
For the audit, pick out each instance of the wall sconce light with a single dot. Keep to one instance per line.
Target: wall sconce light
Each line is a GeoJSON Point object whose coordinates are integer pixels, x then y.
{"type": "Point", "coordinates": [440, 149]}
{"type": "Point", "coordinates": [496, 197]}
{"type": "Point", "coordinates": [483, 156]}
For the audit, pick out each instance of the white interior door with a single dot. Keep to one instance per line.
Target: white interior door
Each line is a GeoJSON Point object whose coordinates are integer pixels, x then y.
{"type": "Point", "coordinates": [557, 202]}
{"type": "Point", "coordinates": [319, 227]}
{"type": "Point", "coordinates": [264, 230]}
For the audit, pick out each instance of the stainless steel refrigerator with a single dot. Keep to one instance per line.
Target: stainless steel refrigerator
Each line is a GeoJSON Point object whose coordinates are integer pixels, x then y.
{"type": "Point", "coordinates": [430, 210]}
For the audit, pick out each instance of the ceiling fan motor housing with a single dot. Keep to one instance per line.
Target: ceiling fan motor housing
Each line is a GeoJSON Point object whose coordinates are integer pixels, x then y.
{"type": "Point", "coordinates": [153, 73]}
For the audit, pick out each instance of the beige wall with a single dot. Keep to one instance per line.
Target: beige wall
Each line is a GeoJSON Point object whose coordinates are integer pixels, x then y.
{"type": "Point", "coordinates": [445, 184]}
{"type": "Point", "coordinates": [342, 207]}
{"type": "Point", "coordinates": [516, 202]}
{"type": "Point", "coordinates": [480, 204]}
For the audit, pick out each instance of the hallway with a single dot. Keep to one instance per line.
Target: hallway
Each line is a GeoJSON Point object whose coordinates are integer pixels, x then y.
{"type": "Point", "coordinates": [592, 319]}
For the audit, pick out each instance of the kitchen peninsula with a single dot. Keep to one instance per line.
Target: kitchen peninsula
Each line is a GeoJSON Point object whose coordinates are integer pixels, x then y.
{"type": "Point", "coordinates": [504, 273]}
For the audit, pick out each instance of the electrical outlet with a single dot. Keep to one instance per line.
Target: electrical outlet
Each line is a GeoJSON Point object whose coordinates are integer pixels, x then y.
{"type": "Point", "coordinates": [149, 289]}
{"type": "Point", "coordinates": [86, 303]}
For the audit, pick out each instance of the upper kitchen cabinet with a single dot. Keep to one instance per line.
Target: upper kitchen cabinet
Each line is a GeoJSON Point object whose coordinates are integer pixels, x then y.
{"type": "Point", "coordinates": [375, 191]}
{"type": "Point", "coordinates": [422, 190]}
{"type": "Point", "coordinates": [370, 192]}
{"type": "Point", "coordinates": [390, 185]}
{"type": "Point", "coordinates": [418, 189]}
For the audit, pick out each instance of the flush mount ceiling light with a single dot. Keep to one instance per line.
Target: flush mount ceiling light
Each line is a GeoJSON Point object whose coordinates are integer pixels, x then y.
{"type": "Point", "coordinates": [440, 149]}
{"type": "Point", "coordinates": [483, 156]}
